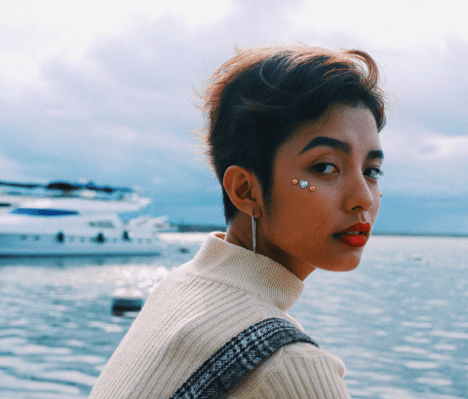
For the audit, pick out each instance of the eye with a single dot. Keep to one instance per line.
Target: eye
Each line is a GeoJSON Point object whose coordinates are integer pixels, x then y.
{"type": "Point", "coordinates": [325, 168]}
{"type": "Point", "coordinates": [373, 173]}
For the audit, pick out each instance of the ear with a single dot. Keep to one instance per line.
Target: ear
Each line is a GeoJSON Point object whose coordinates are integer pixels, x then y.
{"type": "Point", "coordinates": [243, 189]}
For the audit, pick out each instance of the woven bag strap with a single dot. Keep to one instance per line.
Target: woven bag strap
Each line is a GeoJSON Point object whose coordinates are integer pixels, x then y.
{"type": "Point", "coordinates": [235, 359]}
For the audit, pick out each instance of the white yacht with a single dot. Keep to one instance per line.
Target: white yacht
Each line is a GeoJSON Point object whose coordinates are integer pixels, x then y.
{"type": "Point", "coordinates": [74, 219]}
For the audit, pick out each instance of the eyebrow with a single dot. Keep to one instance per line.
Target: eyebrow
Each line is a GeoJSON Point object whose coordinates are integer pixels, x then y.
{"type": "Point", "coordinates": [375, 154]}
{"type": "Point", "coordinates": [339, 145]}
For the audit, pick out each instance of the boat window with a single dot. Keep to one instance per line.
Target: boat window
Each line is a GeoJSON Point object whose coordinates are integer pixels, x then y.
{"type": "Point", "coordinates": [4, 204]}
{"type": "Point", "coordinates": [42, 212]}
{"type": "Point", "coordinates": [103, 224]}
{"type": "Point", "coordinates": [37, 238]}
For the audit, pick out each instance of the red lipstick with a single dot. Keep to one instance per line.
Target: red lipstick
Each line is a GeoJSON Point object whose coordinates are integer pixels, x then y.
{"type": "Point", "coordinates": [355, 235]}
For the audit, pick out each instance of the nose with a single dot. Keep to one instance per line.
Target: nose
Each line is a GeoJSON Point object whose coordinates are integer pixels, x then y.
{"type": "Point", "coordinates": [358, 194]}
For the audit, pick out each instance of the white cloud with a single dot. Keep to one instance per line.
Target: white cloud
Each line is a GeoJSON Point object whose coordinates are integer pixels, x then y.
{"type": "Point", "coordinates": [19, 71]}
{"type": "Point", "coordinates": [419, 145]}
{"type": "Point", "coordinates": [424, 163]}
{"type": "Point", "coordinates": [430, 86]}
{"type": "Point", "coordinates": [11, 169]}
{"type": "Point", "coordinates": [448, 149]}
{"type": "Point", "coordinates": [104, 90]}
{"type": "Point", "coordinates": [387, 24]}
{"type": "Point", "coordinates": [70, 28]}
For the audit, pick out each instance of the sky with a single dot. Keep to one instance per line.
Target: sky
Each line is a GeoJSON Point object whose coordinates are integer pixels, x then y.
{"type": "Point", "coordinates": [107, 91]}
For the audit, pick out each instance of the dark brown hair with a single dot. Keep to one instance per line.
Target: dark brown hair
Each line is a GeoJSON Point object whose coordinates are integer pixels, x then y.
{"type": "Point", "coordinates": [254, 100]}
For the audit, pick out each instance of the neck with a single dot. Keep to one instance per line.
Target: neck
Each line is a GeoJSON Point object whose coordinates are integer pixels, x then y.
{"type": "Point", "coordinates": [239, 233]}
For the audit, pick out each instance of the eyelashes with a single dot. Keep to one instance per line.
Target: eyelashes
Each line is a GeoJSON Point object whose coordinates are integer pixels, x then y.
{"type": "Point", "coordinates": [375, 173]}
{"type": "Point", "coordinates": [325, 168]}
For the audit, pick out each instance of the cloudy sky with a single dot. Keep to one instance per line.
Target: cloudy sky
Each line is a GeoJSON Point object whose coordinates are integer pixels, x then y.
{"type": "Point", "coordinates": [106, 91]}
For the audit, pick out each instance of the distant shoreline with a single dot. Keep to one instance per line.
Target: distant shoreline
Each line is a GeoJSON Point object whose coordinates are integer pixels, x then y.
{"type": "Point", "coordinates": [384, 233]}
{"type": "Point", "coordinates": [195, 228]}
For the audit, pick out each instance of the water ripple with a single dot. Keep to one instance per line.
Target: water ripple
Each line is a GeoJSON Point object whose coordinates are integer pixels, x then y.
{"type": "Point", "coordinates": [399, 324]}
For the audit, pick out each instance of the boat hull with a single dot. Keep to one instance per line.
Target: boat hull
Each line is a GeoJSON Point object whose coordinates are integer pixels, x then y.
{"type": "Point", "coordinates": [53, 245]}
{"type": "Point", "coordinates": [63, 219]}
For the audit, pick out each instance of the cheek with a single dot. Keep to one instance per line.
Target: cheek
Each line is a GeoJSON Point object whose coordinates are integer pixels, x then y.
{"type": "Point", "coordinates": [375, 208]}
{"type": "Point", "coordinates": [301, 211]}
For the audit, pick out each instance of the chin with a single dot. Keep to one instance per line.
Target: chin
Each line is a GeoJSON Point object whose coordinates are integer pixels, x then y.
{"type": "Point", "coordinates": [342, 265]}
{"type": "Point", "coordinates": [347, 267]}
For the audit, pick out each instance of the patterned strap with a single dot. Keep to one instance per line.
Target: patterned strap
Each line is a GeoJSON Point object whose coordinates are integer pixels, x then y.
{"type": "Point", "coordinates": [235, 359]}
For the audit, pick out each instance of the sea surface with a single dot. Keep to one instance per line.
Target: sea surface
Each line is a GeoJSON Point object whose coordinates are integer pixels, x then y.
{"type": "Point", "coordinates": [399, 322]}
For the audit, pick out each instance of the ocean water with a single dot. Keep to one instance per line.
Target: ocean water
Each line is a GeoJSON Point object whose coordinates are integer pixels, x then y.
{"type": "Point", "coordinates": [399, 322]}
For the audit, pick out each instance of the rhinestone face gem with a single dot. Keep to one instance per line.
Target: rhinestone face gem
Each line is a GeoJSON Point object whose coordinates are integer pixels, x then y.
{"type": "Point", "coordinates": [312, 188]}
{"type": "Point", "coordinates": [304, 183]}
{"type": "Point", "coordinates": [294, 181]}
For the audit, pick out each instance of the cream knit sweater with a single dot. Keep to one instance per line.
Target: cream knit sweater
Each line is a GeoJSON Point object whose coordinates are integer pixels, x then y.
{"type": "Point", "coordinates": [200, 306]}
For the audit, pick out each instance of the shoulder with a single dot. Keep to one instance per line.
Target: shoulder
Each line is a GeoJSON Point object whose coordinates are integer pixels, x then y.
{"type": "Point", "coordinates": [298, 370]}
{"type": "Point", "coordinates": [303, 352]}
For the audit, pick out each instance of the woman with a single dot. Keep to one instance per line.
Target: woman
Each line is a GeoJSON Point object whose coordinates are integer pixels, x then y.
{"type": "Point", "coordinates": [293, 139]}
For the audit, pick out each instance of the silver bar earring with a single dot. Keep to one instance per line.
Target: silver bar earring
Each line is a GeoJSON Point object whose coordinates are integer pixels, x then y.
{"type": "Point", "coordinates": [254, 232]}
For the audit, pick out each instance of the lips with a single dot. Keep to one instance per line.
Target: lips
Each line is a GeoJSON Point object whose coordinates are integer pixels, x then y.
{"type": "Point", "coordinates": [355, 235]}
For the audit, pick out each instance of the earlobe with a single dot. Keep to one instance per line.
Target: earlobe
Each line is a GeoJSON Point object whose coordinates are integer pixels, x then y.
{"type": "Point", "coordinates": [243, 189]}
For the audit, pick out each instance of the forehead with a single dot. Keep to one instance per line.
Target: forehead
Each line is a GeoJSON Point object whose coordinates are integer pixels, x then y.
{"type": "Point", "coordinates": [355, 126]}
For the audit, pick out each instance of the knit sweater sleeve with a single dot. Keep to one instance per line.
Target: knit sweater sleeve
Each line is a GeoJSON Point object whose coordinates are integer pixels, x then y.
{"type": "Point", "coordinates": [295, 371]}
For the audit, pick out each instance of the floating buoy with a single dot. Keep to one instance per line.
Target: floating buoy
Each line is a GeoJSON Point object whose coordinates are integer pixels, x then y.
{"type": "Point", "coordinates": [184, 250]}
{"type": "Point", "coordinates": [126, 300]}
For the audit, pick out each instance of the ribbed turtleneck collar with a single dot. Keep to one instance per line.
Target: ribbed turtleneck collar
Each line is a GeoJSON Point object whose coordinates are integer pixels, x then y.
{"type": "Point", "coordinates": [230, 264]}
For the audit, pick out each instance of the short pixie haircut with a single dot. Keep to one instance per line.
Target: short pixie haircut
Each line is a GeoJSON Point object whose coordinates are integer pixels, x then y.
{"type": "Point", "coordinates": [256, 98]}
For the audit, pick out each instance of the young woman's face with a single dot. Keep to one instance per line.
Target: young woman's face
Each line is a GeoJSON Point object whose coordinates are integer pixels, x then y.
{"type": "Point", "coordinates": [340, 155]}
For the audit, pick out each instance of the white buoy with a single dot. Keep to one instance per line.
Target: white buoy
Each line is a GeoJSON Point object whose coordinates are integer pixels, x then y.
{"type": "Point", "coordinates": [126, 300]}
